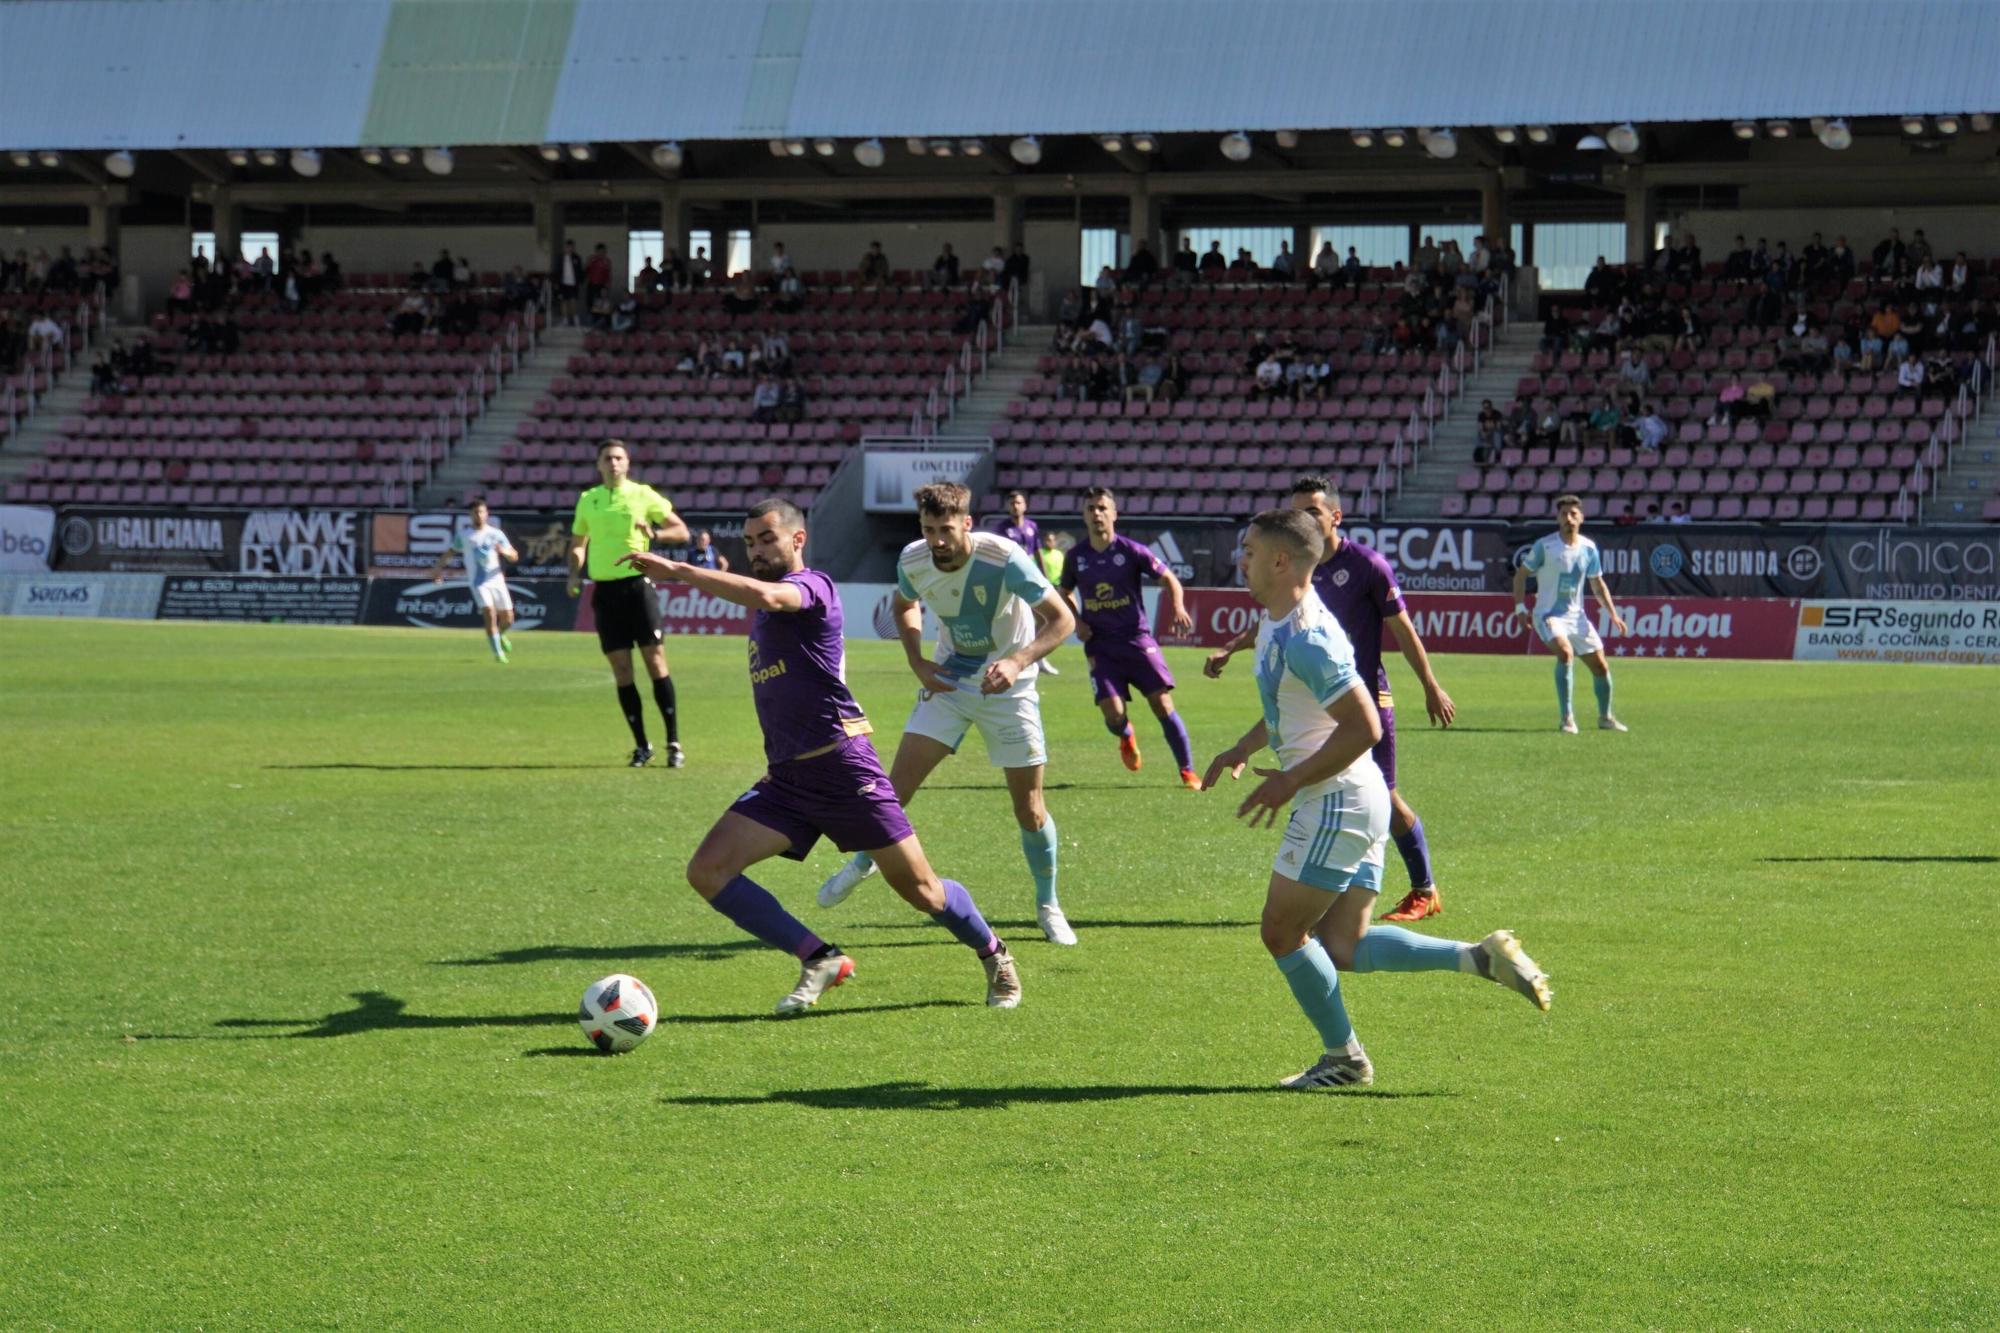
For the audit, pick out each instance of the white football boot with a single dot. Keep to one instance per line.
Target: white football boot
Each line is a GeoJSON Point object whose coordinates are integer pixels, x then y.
{"type": "Point", "coordinates": [843, 881]}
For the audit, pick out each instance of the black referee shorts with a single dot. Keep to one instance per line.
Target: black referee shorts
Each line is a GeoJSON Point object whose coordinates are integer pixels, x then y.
{"type": "Point", "coordinates": [628, 614]}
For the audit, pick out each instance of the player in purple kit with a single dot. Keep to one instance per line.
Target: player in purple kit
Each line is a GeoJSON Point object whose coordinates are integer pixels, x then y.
{"type": "Point", "coordinates": [823, 776]}
{"type": "Point", "coordinates": [1025, 533]}
{"type": "Point", "coordinates": [1102, 577]}
{"type": "Point", "coordinates": [1358, 586]}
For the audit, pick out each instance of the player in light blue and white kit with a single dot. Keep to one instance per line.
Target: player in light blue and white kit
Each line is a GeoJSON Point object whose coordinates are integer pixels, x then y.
{"type": "Point", "coordinates": [1563, 563]}
{"type": "Point", "coordinates": [483, 547]}
{"type": "Point", "coordinates": [1000, 617]}
{"type": "Point", "coordinates": [1319, 715]}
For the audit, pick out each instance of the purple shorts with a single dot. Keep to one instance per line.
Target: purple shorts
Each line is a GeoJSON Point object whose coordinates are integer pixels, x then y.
{"type": "Point", "coordinates": [843, 795]}
{"type": "Point", "coordinates": [1124, 667]}
{"type": "Point", "coordinates": [1385, 749]}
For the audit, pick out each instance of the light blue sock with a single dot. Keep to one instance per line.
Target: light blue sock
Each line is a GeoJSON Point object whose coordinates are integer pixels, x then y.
{"type": "Point", "coordinates": [1562, 686]}
{"type": "Point", "coordinates": [863, 862]}
{"type": "Point", "coordinates": [1393, 949]}
{"type": "Point", "coordinates": [1602, 684]}
{"type": "Point", "coordinates": [1039, 846]}
{"type": "Point", "coordinates": [1316, 986]}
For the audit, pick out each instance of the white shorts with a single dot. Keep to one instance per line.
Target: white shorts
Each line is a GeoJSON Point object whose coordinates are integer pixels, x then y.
{"type": "Point", "coordinates": [1575, 627]}
{"type": "Point", "coordinates": [1010, 723]}
{"type": "Point", "coordinates": [493, 595]}
{"type": "Point", "coordinates": [1334, 841]}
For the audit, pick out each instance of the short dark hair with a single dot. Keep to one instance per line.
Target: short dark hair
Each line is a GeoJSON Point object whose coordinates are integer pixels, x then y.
{"type": "Point", "coordinates": [614, 441]}
{"type": "Point", "coordinates": [477, 502]}
{"type": "Point", "coordinates": [1014, 491]}
{"type": "Point", "coordinates": [1312, 482]}
{"type": "Point", "coordinates": [788, 513]}
{"type": "Point", "coordinates": [1294, 531]}
{"type": "Point", "coordinates": [1101, 493]}
{"type": "Point", "coordinates": [1568, 501]}
{"type": "Point", "coordinates": [944, 499]}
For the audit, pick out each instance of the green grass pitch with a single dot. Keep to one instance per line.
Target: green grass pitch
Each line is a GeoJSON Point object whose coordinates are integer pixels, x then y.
{"type": "Point", "coordinates": [293, 923]}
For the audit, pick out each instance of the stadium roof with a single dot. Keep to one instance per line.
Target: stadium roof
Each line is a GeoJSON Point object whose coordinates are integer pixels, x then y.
{"type": "Point", "coordinates": [210, 74]}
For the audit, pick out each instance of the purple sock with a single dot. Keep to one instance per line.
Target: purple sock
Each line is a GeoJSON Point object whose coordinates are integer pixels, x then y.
{"type": "Point", "coordinates": [756, 912]}
{"type": "Point", "coordinates": [962, 919]}
{"type": "Point", "coordinates": [1121, 728]}
{"type": "Point", "coordinates": [1177, 740]}
{"type": "Point", "coordinates": [1416, 854]}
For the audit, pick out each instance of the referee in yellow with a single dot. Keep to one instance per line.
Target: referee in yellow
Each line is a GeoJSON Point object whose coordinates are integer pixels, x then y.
{"type": "Point", "coordinates": [613, 519]}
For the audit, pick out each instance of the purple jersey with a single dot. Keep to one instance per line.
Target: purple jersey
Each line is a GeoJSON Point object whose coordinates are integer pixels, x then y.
{"type": "Point", "coordinates": [798, 672]}
{"type": "Point", "coordinates": [1107, 584]}
{"type": "Point", "coordinates": [1358, 586]}
{"type": "Point", "coordinates": [1026, 534]}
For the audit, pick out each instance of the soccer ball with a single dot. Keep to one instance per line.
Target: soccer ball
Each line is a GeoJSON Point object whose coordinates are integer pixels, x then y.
{"type": "Point", "coordinates": [617, 1013]}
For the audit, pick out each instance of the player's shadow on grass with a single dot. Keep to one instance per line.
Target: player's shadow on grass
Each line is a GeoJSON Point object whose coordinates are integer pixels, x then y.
{"type": "Point", "coordinates": [1896, 860]}
{"type": "Point", "coordinates": [915, 1095]}
{"type": "Point", "coordinates": [1457, 727]}
{"type": "Point", "coordinates": [428, 768]}
{"type": "Point", "coordinates": [1046, 786]}
{"type": "Point", "coordinates": [378, 1011]}
{"type": "Point", "coordinates": [809, 1016]}
{"type": "Point", "coordinates": [1081, 923]}
{"type": "Point", "coordinates": [694, 952]}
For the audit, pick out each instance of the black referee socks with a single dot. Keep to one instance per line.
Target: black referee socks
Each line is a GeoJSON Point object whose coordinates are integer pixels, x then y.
{"type": "Point", "coordinates": [635, 715]}
{"type": "Point", "coordinates": [663, 695]}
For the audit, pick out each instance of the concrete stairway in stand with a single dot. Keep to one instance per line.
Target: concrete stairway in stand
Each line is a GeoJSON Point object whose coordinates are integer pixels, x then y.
{"type": "Point", "coordinates": [459, 477]}
{"type": "Point", "coordinates": [1435, 477]}
{"type": "Point", "coordinates": [983, 409]}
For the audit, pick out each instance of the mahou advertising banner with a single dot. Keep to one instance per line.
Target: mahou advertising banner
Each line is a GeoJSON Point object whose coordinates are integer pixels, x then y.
{"type": "Point", "coordinates": [683, 610]}
{"type": "Point", "coordinates": [1681, 627]}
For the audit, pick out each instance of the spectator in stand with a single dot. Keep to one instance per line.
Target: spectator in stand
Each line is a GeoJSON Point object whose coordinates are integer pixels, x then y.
{"type": "Point", "coordinates": [1652, 429]}
{"type": "Point", "coordinates": [735, 358]}
{"type": "Point", "coordinates": [180, 296]}
{"type": "Point", "coordinates": [705, 555]}
{"type": "Point", "coordinates": [1353, 269]}
{"type": "Point", "coordinates": [1929, 276]}
{"type": "Point", "coordinates": [331, 279]}
{"type": "Point", "coordinates": [778, 266]}
{"type": "Point", "coordinates": [944, 269]}
{"type": "Point", "coordinates": [874, 266]}
{"type": "Point", "coordinates": [1107, 284]}
{"type": "Point", "coordinates": [1920, 249]}
{"type": "Point", "coordinates": [1813, 260]}
{"type": "Point", "coordinates": [648, 281]}
{"type": "Point", "coordinates": [1492, 433]}
{"type": "Point", "coordinates": [1243, 268]}
{"type": "Point", "coordinates": [1677, 514]}
{"type": "Point", "coordinates": [1151, 375]}
{"type": "Point", "coordinates": [1428, 257]}
{"type": "Point", "coordinates": [1174, 382]}
{"type": "Point", "coordinates": [791, 399]}
{"type": "Point", "coordinates": [596, 274]}
{"type": "Point", "coordinates": [1283, 264]}
{"type": "Point", "coordinates": [700, 270]}
{"type": "Point", "coordinates": [764, 400]}
{"type": "Point", "coordinates": [1898, 350]}
{"type": "Point", "coordinates": [1873, 347]}
{"type": "Point", "coordinates": [741, 298]}
{"type": "Point", "coordinates": [44, 332]}
{"type": "Point", "coordinates": [624, 315]}
{"type": "Point", "coordinates": [1910, 377]}
{"type": "Point", "coordinates": [461, 274]}
{"type": "Point", "coordinates": [1269, 379]}
{"type": "Point", "coordinates": [1961, 274]}
{"type": "Point", "coordinates": [1098, 337]}
{"type": "Point", "coordinates": [1143, 267]}
{"type": "Point", "coordinates": [1017, 269]}
{"type": "Point", "coordinates": [410, 315]}
{"type": "Point", "coordinates": [1074, 385]}
{"type": "Point", "coordinates": [264, 268]}
{"type": "Point", "coordinates": [1213, 264]}
{"type": "Point", "coordinates": [1891, 256]}
{"type": "Point", "coordinates": [1687, 331]}
{"type": "Point", "coordinates": [1186, 263]}
{"type": "Point", "coordinates": [1624, 518]}
{"type": "Point", "coordinates": [600, 312]}
{"type": "Point", "coordinates": [1326, 268]}
{"type": "Point", "coordinates": [569, 280]}
{"type": "Point", "coordinates": [1520, 423]}
{"type": "Point", "coordinates": [1603, 421]}
{"type": "Point", "coordinates": [994, 269]}
{"type": "Point", "coordinates": [1602, 283]}
{"type": "Point", "coordinates": [776, 351]}
{"type": "Point", "coordinates": [1840, 262]}
{"type": "Point", "coordinates": [1686, 261]}
{"type": "Point", "coordinates": [1634, 371]}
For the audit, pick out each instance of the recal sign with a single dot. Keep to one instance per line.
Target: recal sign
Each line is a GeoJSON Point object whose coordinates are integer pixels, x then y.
{"type": "Point", "coordinates": [1954, 632]}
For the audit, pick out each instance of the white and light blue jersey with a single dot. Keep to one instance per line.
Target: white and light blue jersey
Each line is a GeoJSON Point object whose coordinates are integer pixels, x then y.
{"type": "Point", "coordinates": [982, 605]}
{"type": "Point", "coordinates": [1560, 571]}
{"type": "Point", "coordinates": [481, 549]}
{"type": "Point", "coordinates": [1304, 663]}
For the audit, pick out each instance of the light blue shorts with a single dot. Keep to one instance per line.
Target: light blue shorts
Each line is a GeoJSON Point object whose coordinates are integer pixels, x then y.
{"type": "Point", "coordinates": [1335, 840]}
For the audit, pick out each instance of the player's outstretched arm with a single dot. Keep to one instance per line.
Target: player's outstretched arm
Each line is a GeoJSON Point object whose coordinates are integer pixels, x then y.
{"type": "Point", "coordinates": [1213, 664]}
{"type": "Point", "coordinates": [1603, 591]}
{"type": "Point", "coordinates": [1236, 756]}
{"type": "Point", "coordinates": [753, 593]}
{"type": "Point", "coordinates": [1357, 728]}
{"type": "Point", "coordinates": [1436, 702]}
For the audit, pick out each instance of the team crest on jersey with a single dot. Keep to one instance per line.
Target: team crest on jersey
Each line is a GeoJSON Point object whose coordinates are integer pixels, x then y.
{"type": "Point", "coordinates": [1340, 578]}
{"type": "Point", "coordinates": [753, 654]}
{"type": "Point", "coordinates": [1118, 559]}
{"type": "Point", "coordinates": [979, 596]}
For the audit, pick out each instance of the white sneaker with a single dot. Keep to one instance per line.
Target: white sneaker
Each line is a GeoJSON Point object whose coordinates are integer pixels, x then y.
{"type": "Point", "coordinates": [1335, 1069]}
{"type": "Point", "coordinates": [834, 892]}
{"type": "Point", "coordinates": [1003, 983]}
{"type": "Point", "coordinates": [817, 976]}
{"type": "Point", "coordinates": [1568, 727]}
{"type": "Point", "coordinates": [1049, 668]}
{"type": "Point", "coordinates": [1610, 723]}
{"type": "Point", "coordinates": [1055, 926]}
{"type": "Point", "coordinates": [1500, 958]}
